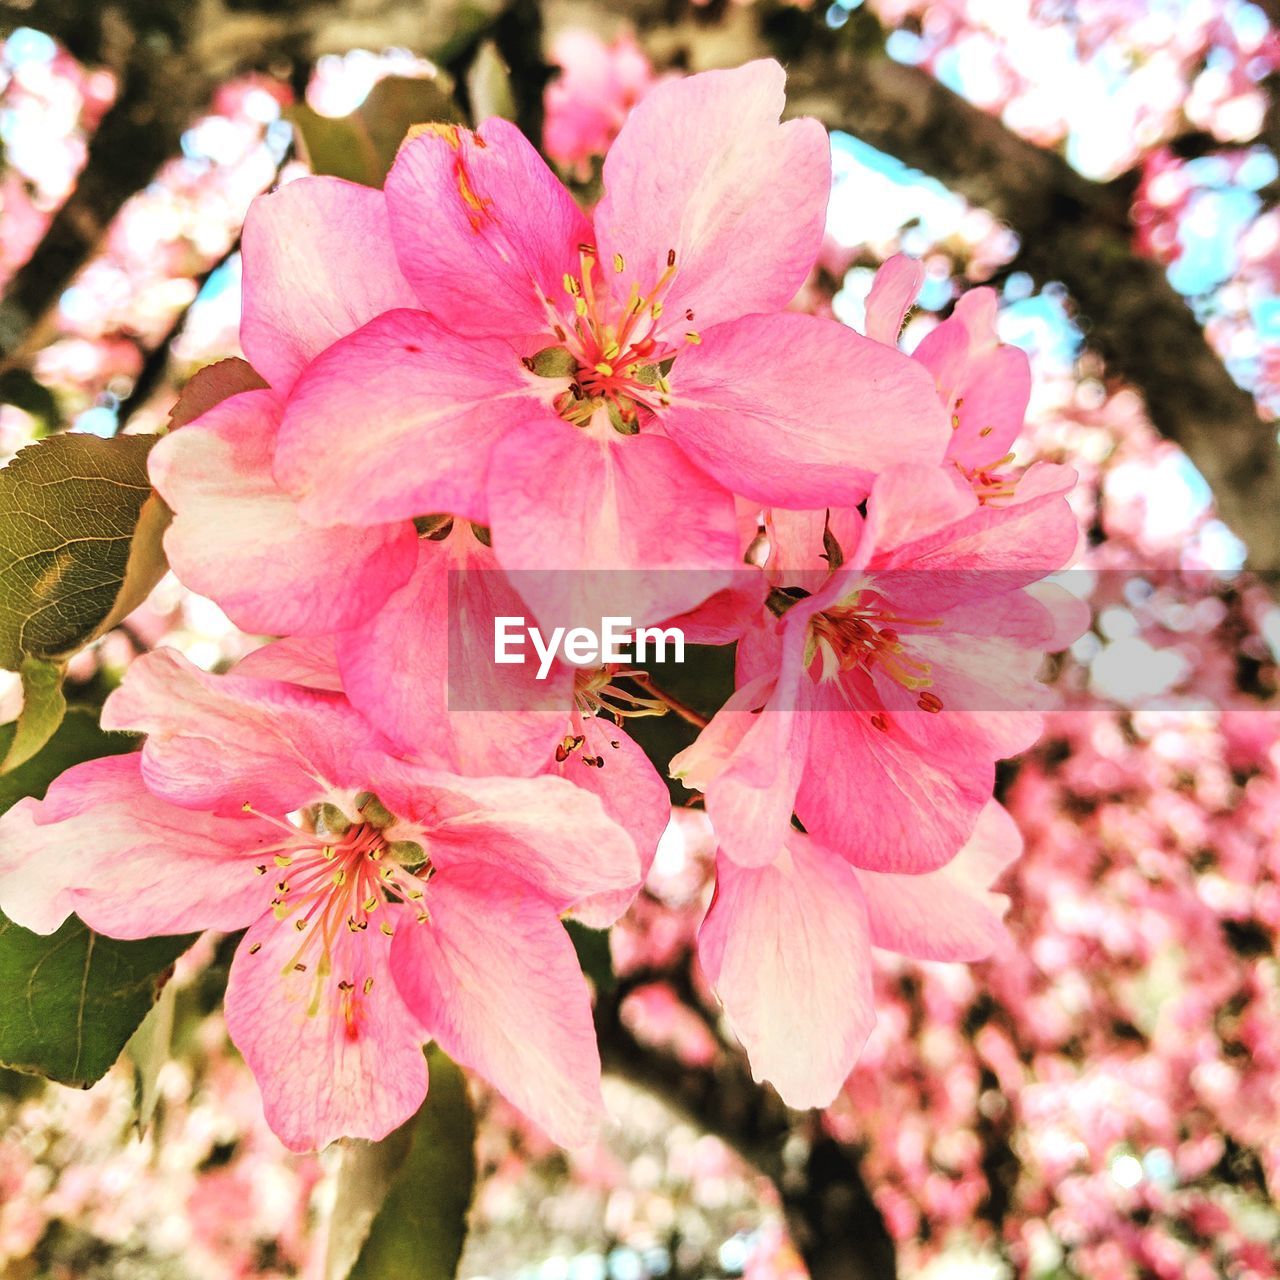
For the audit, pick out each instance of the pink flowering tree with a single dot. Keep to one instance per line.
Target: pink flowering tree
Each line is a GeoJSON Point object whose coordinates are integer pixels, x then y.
{"type": "Point", "coordinates": [508, 365]}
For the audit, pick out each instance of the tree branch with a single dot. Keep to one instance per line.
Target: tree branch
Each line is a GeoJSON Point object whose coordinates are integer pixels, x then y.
{"type": "Point", "coordinates": [831, 1214]}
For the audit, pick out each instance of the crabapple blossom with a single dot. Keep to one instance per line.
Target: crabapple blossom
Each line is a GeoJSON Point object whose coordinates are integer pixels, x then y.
{"type": "Point", "coordinates": [386, 903]}
{"type": "Point", "coordinates": [594, 391]}
{"type": "Point", "coordinates": [874, 697]}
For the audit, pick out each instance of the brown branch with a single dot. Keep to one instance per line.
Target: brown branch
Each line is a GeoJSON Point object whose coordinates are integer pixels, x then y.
{"type": "Point", "coordinates": [1077, 232]}
{"type": "Point", "coordinates": [830, 1212]}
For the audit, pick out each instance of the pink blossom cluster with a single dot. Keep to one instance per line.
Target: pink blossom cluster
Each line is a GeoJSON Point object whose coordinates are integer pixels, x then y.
{"type": "Point", "coordinates": [588, 102]}
{"type": "Point", "coordinates": [500, 406]}
{"type": "Point", "coordinates": [1116, 79]}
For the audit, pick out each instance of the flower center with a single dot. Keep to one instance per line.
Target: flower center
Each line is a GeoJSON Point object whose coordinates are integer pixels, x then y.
{"type": "Point", "coordinates": [614, 356]}
{"type": "Point", "coordinates": [332, 878]}
{"type": "Point", "coordinates": [862, 635]}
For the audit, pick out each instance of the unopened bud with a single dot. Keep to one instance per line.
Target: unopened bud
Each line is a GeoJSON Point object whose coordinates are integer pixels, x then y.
{"type": "Point", "coordinates": [551, 362]}
{"type": "Point", "coordinates": [331, 819]}
{"type": "Point", "coordinates": [373, 811]}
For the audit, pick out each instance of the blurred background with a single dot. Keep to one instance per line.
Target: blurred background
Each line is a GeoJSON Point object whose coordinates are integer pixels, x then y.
{"type": "Point", "coordinates": [1102, 1100]}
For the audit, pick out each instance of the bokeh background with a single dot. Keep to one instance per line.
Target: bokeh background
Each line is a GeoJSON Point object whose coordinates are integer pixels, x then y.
{"type": "Point", "coordinates": [1102, 1099]}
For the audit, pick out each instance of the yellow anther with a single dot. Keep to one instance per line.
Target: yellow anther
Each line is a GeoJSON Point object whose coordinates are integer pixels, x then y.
{"type": "Point", "coordinates": [580, 306]}
{"type": "Point", "coordinates": [283, 860]}
{"type": "Point", "coordinates": [605, 368]}
{"type": "Point", "coordinates": [386, 928]}
{"type": "Point", "coordinates": [340, 876]}
{"type": "Point", "coordinates": [368, 985]}
{"type": "Point", "coordinates": [571, 285]}
{"type": "Point", "coordinates": [618, 265]}
{"type": "Point", "coordinates": [299, 925]}
{"type": "Point", "coordinates": [656, 310]}
{"type": "Point", "coordinates": [369, 904]}
{"type": "Point", "coordinates": [694, 338]}
{"type": "Point", "coordinates": [986, 431]}
{"type": "Point", "coordinates": [955, 422]}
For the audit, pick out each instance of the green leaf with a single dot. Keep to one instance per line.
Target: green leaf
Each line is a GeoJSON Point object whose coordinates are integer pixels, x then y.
{"type": "Point", "coordinates": [149, 1049]}
{"type": "Point", "coordinates": [43, 707]}
{"type": "Point", "coordinates": [413, 1190]}
{"type": "Point", "coordinates": [78, 738]}
{"type": "Point", "coordinates": [361, 147]}
{"type": "Point", "coordinates": [79, 542]}
{"type": "Point", "coordinates": [594, 956]}
{"type": "Point", "coordinates": [69, 1001]}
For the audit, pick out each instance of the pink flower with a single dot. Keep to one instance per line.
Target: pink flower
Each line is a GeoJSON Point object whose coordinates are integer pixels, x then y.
{"type": "Point", "coordinates": [984, 384]}
{"type": "Point", "coordinates": [876, 705]}
{"type": "Point", "coordinates": [399, 902]}
{"type": "Point", "coordinates": [786, 945]}
{"type": "Point", "coordinates": [588, 103]}
{"type": "Point", "coordinates": [593, 393]}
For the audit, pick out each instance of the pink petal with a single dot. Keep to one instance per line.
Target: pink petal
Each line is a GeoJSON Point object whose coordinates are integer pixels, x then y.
{"type": "Point", "coordinates": [633, 795]}
{"type": "Point", "coordinates": [702, 168]}
{"type": "Point", "coordinates": [240, 539]}
{"type": "Point", "coordinates": [796, 539]}
{"type": "Point", "coordinates": [398, 420]}
{"type": "Point", "coordinates": [948, 914]}
{"type": "Point", "coordinates": [892, 293]}
{"type": "Point", "coordinates": [549, 833]}
{"type": "Point", "coordinates": [877, 796]}
{"type": "Point", "coordinates": [489, 718]}
{"type": "Point", "coordinates": [484, 230]}
{"type": "Point", "coordinates": [786, 949]}
{"type": "Point", "coordinates": [590, 524]}
{"type": "Point", "coordinates": [494, 978]}
{"type": "Point", "coordinates": [130, 865]}
{"type": "Point", "coordinates": [309, 661]}
{"type": "Point", "coordinates": [798, 411]}
{"type": "Point", "coordinates": [323, 1075]}
{"type": "Point", "coordinates": [219, 742]}
{"type": "Point", "coordinates": [304, 287]}
{"type": "Point", "coordinates": [984, 384]}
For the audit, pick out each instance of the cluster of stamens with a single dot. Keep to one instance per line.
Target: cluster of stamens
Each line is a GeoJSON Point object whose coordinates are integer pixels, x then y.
{"type": "Point", "coordinates": [615, 361]}
{"type": "Point", "coordinates": [333, 875]}
{"type": "Point", "coordinates": [987, 482]}
{"type": "Point", "coordinates": [595, 693]}
{"type": "Point", "coordinates": [863, 635]}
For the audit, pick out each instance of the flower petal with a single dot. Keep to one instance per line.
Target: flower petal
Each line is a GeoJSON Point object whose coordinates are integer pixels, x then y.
{"type": "Point", "coordinates": [398, 420]}
{"type": "Point", "coordinates": [489, 718]}
{"type": "Point", "coordinates": [703, 169]}
{"type": "Point", "coordinates": [786, 949]}
{"type": "Point", "coordinates": [590, 526]}
{"type": "Point", "coordinates": [304, 288]}
{"type": "Point", "coordinates": [633, 795]}
{"type": "Point", "coordinates": [219, 742]}
{"type": "Point", "coordinates": [948, 914]}
{"type": "Point", "coordinates": [484, 230]}
{"type": "Point", "coordinates": [240, 539]}
{"type": "Point", "coordinates": [323, 1075]}
{"type": "Point", "coordinates": [799, 411]}
{"type": "Point", "coordinates": [553, 835]}
{"type": "Point", "coordinates": [129, 864]}
{"type": "Point", "coordinates": [877, 796]}
{"type": "Point", "coordinates": [893, 291]}
{"type": "Point", "coordinates": [309, 661]}
{"type": "Point", "coordinates": [494, 978]}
